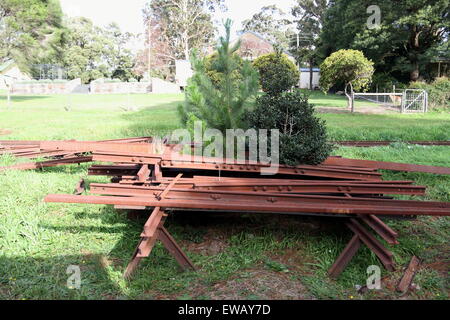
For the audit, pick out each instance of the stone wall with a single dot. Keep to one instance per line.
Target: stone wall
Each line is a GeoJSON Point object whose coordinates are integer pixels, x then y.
{"type": "Point", "coordinates": [42, 87]}
{"type": "Point", "coordinates": [158, 86]}
{"type": "Point", "coordinates": [100, 86]}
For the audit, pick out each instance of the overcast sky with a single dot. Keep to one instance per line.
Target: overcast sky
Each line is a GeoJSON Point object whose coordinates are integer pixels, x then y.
{"type": "Point", "coordinates": [128, 13]}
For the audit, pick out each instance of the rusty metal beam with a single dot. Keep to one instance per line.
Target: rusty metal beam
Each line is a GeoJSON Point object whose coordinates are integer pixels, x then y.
{"type": "Point", "coordinates": [385, 256]}
{"type": "Point", "coordinates": [345, 257]}
{"type": "Point", "coordinates": [280, 198]}
{"type": "Point", "coordinates": [408, 276]}
{"type": "Point", "coordinates": [387, 143]}
{"type": "Point", "coordinates": [387, 165]}
{"type": "Point", "coordinates": [246, 206]}
{"type": "Point", "coordinates": [171, 245]}
{"type": "Point", "coordinates": [45, 164]}
{"type": "Point", "coordinates": [89, 146]}
{"type": "Point", "coordinates": [383, 230]}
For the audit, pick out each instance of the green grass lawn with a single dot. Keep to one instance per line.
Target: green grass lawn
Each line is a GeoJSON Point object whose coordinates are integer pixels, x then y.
{"type": "Point", "coordinates": [241, 257]}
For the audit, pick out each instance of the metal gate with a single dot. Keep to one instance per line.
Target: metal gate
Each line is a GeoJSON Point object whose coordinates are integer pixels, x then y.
{"type": "Point", "coordinates": [414, 100]}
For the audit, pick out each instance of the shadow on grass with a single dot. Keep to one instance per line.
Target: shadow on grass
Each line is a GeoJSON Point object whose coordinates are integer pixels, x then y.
{"type": "Point", "coordinates": [30, 278]}
{"type": "Point", "coordinates": [15, 98]}
{"type": "Point", "coordinates": [152, 121]}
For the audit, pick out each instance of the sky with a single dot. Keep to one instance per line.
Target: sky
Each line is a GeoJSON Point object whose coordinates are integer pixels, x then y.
{"type": "Point", "coordinates": [128, 13]}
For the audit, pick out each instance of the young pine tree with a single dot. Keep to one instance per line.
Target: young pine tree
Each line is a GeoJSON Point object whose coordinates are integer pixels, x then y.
{"type": "Point", "coordinates": [222, 102]}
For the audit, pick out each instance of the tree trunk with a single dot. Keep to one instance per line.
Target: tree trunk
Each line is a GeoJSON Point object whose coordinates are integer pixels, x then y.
{"type": "Point", "coordinates": [311, 74]}
{"type": "Point", "coordinates": [350, 101]}
{"type": "Point", "coordinates": [415, 46]}
{"type": "Point", "coordinates": [414, 75]}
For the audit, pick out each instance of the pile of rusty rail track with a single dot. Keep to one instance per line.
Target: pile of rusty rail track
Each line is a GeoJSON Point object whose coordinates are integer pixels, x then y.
{"type": "Point", "coordinates": [149, 176]}
{"type": "Point", "coordinates": [353, 190]}
{"type": "Point", "coordinates": [56, 156]}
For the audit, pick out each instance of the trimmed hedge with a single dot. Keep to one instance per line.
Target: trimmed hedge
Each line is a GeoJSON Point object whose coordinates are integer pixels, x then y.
{"type": "Point", "coordinates": [276, 73]}
{"type": "Point", "coordinates": [303, 136]}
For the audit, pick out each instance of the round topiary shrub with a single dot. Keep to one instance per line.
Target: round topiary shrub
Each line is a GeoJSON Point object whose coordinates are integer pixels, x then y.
{"type": "Point", "coordinates": [303, 136]}
{"type": "Point", "coordinates": [277, 73]}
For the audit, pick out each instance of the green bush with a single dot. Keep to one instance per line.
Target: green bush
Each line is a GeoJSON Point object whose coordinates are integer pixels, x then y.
{"type": "Point", "coordinates": [276, 72]}
{"type": "Point", "coordinates": [303, 137]}
{"type": "Point", "coordinates": [438, 92]}
{"type": "Point", "coordinates": [348, 67]}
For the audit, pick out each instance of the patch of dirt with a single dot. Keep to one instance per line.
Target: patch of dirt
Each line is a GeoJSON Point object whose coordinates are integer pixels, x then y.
{"type": "Point", "coordinates": [293, 259]}
{"type": "Point", "coordinates": [214, 242]}
{"type": "Point", "coordinates": [261, 284]}
{"type": "Point", "coordinates": [441, 267]}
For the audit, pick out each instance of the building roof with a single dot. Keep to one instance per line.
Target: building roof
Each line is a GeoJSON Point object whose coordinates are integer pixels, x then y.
{"type": "Point", "coordinates": [5, 66]}
{"type": "Point", "coordinates": [261, 37]}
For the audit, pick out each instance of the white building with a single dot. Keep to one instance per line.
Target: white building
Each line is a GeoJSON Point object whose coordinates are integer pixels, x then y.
{"type": "Point", "coordinates": [183, 72]}
{"type": "Point", "coordinates": [10, 73]}
{"type": "Point", "coordinates": [304, 78]}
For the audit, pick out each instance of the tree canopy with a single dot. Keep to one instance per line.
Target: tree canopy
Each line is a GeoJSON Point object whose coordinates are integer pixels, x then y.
{"type": "Point", "coordinates": [31, 31]}
{"type": "Point", "coordinates": [183, 24]}
{"type": "Point", "coordinates": [348, 67]}
{"type": "Point", "coordinates": [402, 45]}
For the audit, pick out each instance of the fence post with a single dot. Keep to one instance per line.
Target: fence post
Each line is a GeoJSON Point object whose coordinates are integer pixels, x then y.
{"type": "Point", "coordinates": [403, 101]}
{"type": "Point", "coordinates": [426, 101]}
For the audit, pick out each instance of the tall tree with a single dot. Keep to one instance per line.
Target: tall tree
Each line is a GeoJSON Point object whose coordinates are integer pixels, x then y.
{"type": "Point", "coordinates": [183, 24]}
{"type": "Point", "coordinates": [30, 31]}
{"type": "Point", "coordinates": [121, 59]}
{"type": "Point", "coordinates": [271, 23]}
{"type": "Point", "coordinates": [409, 31]}
{"type": "Point", "coordinates": [93, 52]}
{"type": "Point", "coordinates": [309, 17]}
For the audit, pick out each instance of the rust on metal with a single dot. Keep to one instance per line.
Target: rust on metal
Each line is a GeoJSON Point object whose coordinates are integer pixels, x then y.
{"type": "Point", "coordinates": [345, 257]}
{"type": "Point", "coordinates": [146, 176]}
{"type": "Point", "coordinates": [408, 276]}
{"type": "Point", "coordinates": [394, 166]}
{"type": "Point", "coordinates": [387, 143]}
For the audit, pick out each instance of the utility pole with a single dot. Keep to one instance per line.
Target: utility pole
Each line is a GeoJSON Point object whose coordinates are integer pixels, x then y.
{"type": "Point", "coordinates": [149, 61]}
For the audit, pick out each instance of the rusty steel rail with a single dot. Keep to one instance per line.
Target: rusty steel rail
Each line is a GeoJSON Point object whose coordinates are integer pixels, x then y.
{"type": "Point", "coordinates": [311, 188]}
{"type": "Point", "coordinates": [394, 166]}
{"type": "Point", "coordinates": [229, 196]}
{"type": "Point", "coordinates": [246, 206]}
{"type": "Point", "coordinates": [46, 164]}
{"type": "Point", "coordinates": [387, 143]}
{"type": "Point", "coordinates": [66, 152]}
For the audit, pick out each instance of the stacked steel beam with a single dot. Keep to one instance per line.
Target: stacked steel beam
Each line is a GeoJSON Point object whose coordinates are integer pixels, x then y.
{"type": "Point", "coordinates": [164, 181]}
{"type": "Point", "coordinates": [345, 188]}
{"type": "Point", "coordinates": [56, 156]}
